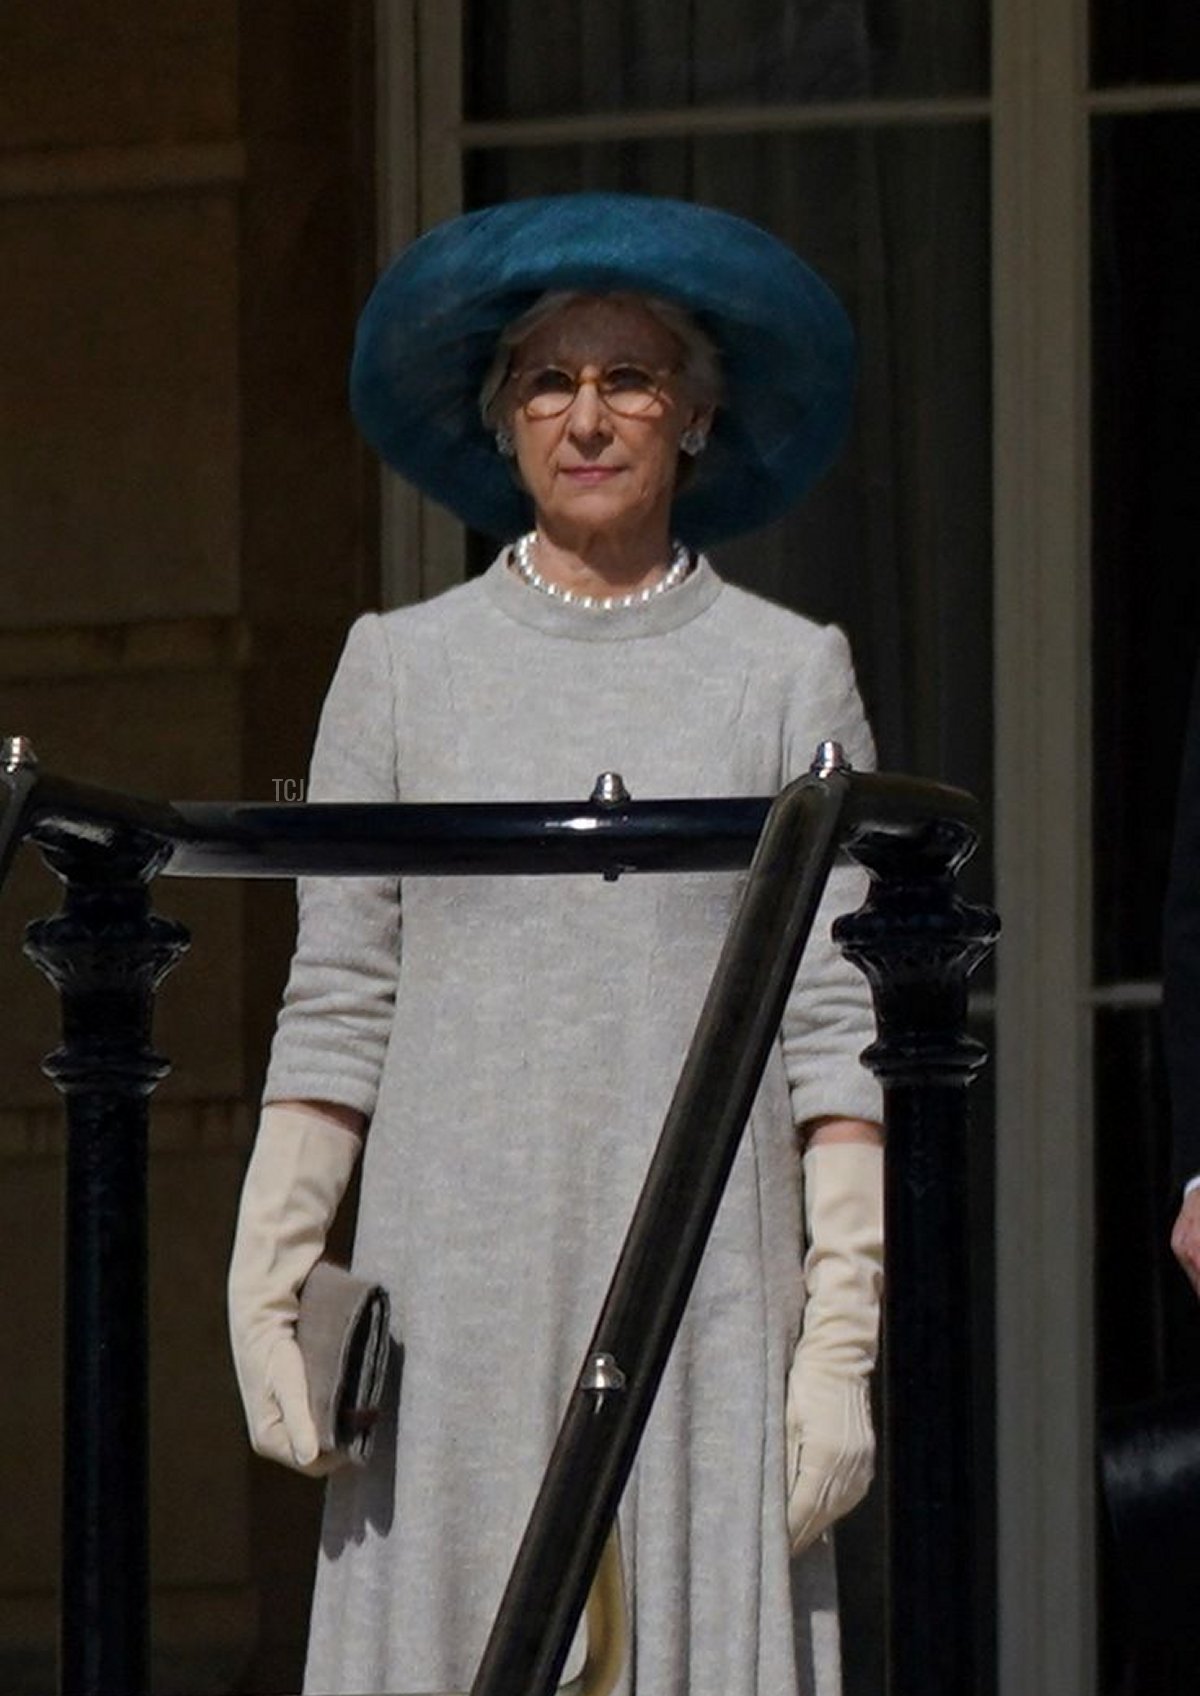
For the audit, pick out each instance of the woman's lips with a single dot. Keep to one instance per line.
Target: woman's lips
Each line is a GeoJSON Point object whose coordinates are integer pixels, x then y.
{"type": "Point", "coordinates": [589, 474]}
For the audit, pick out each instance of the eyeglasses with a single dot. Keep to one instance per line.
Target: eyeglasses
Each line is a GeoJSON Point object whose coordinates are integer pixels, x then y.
{"type": "Point", "coordinates": [547, 391]}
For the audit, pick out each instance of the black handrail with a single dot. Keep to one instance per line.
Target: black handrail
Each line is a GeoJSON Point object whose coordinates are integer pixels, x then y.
{"type": "Point", "coordinates": [914, 938]}
{"type": "Point", "coordinates": [347, 839]}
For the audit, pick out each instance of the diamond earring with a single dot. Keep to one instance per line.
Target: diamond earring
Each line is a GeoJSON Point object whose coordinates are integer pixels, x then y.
{"type": "Point", "coordinates": [693, 440]}
{"type": "Point", "coordinates": [505, 446]}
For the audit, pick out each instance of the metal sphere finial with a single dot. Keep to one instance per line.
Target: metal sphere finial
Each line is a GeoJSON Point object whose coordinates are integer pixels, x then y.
{"type": "Point", "coordinates": [609, 790]}
{"type": "Point", "coordinates": [16, 754]}
{"type": "Point", "coordinates": [829, 757]}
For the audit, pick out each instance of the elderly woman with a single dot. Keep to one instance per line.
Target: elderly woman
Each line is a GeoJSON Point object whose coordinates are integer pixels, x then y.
{"type": "Point", "coordinates": [605, 381]}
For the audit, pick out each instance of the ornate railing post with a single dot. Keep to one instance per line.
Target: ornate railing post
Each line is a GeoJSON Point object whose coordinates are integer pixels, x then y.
{"type": "Point", "coordinates": [918, 943]}
{"type": "Point", "coordinates": [105, 952]}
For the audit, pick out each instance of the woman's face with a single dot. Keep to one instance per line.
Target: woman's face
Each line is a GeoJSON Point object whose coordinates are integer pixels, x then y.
{"type": "Point", "coordinates": [591, 468]}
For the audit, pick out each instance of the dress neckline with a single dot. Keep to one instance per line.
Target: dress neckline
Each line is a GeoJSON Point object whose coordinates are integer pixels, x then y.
{"type": "Point", "coordinates": [520, 601]}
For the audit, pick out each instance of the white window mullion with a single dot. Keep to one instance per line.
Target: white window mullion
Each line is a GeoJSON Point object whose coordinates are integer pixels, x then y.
{"type": "Point", "coordinates": [439, 105]}
{"type": "Point", "coordinates": [1043, 758]}
{"type": "Point", "coordinates": [397, 222]}
{"type": "Point", "coordinates": [418, 45]}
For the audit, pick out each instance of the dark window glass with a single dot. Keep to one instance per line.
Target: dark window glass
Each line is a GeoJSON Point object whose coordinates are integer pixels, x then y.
{"type": "Point", "coordinates": [1146, 625]}
{"type": "Point", "coordinates": [1147, 1340]}
{"type": "Point", "coordinates": [1146, 586]}
{"type": "Point", "coordinates": [1145, 41]}
{"type": "Point", "coordinates": [525, 58]}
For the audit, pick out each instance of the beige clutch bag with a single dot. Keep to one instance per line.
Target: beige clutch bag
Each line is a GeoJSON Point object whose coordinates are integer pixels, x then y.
{"type": "Point", "coordinates": [343, 1335]}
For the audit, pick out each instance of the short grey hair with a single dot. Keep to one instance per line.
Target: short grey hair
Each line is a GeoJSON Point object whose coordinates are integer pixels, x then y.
{"type": "Point", "coordinates": [699, 375]}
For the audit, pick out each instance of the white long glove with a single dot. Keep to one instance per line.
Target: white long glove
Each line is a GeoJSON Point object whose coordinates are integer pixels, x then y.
{"type": "Point", "coordinates": [298, 1173]}
{"type": "Point", "coordinates": [830, 1441]}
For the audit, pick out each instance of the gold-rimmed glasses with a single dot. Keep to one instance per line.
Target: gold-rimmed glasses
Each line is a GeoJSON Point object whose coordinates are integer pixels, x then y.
{"type": "Point", "coordinates": [629, 390]}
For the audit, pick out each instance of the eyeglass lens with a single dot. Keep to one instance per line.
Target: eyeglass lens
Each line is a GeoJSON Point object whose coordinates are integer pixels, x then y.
{"type": "Point", "coordinates": [629, 390]}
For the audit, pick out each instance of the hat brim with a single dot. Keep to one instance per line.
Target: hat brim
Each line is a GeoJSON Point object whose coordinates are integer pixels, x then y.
{"type": "Point", "coordinates": [428, 335]}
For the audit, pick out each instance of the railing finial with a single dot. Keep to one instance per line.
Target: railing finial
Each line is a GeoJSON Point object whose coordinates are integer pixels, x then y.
{"type": "Point", "coordinates": [16, 754]}
{"type": "Point", "coordinates": [829, 757]}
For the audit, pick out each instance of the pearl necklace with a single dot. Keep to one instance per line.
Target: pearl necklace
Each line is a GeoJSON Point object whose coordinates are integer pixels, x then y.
{"type": "Point", "coordinates": [522, 556]}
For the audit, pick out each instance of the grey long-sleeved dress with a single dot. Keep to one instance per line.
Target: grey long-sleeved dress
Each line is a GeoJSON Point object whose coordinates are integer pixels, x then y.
{"type": "Point", "coordinates": [516, 1042]}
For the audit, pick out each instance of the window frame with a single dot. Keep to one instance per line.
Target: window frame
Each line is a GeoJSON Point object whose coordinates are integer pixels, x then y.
{"type": "Point", "coordinates": [1039, 112]}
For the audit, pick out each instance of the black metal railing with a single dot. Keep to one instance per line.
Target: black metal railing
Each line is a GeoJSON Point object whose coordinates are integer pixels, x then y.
{"type": "Point", "coordinates": [914, 938]}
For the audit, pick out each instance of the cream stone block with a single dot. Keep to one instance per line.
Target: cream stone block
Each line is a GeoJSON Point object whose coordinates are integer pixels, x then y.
{"type": "Point", "coordinates": [87, 71]}
{"type": "Point", "coordinates": [204, 1609]}
{"type": "Point", "coordinates": [200, 1460]}
{"type": "Point", "coordinates": [30, 1027]}
{"type": "Point", "coordinates": [168, 735]}
{"type": "Point", "coordinates": [119, 472]}
{"type": "Point", "coordinates": [30, 1369]}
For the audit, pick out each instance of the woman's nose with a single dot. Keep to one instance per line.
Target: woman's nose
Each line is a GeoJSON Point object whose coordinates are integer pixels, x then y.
{"type": "Point", "coordinates": [588, 414]}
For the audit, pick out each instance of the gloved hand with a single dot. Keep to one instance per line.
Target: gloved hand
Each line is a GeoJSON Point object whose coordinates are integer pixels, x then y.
{"type": "Point", "coordinates": [830, 1442]}
{"type": "Point", "coordinates": [298, 1173]}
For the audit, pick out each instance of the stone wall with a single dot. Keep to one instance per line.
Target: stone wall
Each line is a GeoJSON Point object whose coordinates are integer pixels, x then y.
{"type": "Point", "coordinates": [186, 529]}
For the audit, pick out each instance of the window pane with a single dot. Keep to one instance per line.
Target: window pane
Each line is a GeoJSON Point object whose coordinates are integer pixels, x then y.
{"type": "Point", "coordinates": [525, 58]}
{"type": "Point", "coordinates": [1146, 587]}
{"type": "Point", "coordinates": [1146, 1336]}
{"type": "Point", "coordinates": [894, 543]}
{"type": "Point", "coordinates": [1145, 41]}
{"type": "Point", "coordinates": [1147, 1341]}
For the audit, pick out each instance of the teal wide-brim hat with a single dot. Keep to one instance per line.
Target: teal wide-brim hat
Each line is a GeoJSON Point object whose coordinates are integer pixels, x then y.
{"type": "Point", "coordinates": [428, 335]}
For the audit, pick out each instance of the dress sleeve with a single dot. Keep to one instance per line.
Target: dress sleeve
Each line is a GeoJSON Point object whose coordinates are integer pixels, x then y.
{"type": "Point", "coordinates": [336, 1016]}
{"type": "Point", "coordinates": [829, 1018]}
